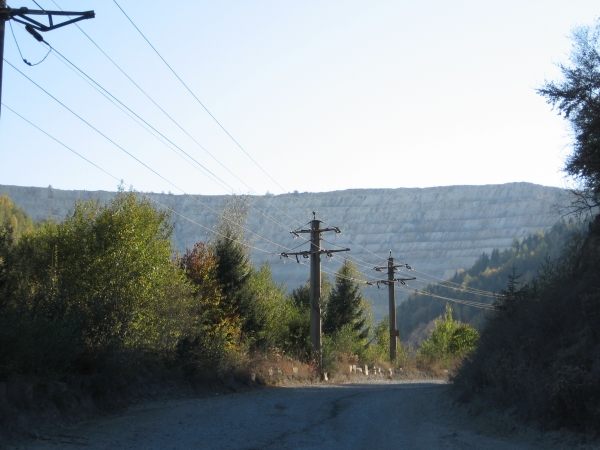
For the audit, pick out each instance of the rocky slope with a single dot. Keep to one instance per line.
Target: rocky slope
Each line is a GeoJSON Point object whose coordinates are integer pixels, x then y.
{"type": "Point", "coordinates": [436, 230]}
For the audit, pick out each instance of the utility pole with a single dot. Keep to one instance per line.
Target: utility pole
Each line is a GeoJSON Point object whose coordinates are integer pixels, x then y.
{"type": "Point", "coordinates": [314, 254]}
{"type": "Point", "coordinates": [391, 268]}
{"type": "Point", "coordinates": [3, 20]}
{"type": "Point", "coordinates": [21, 15]}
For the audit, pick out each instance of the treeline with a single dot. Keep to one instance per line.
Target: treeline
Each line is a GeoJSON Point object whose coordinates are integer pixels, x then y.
{"type": "Point", "coordinates": [539, 352]}
{"type": "Point", "coordinates": [104, 293]}
{"type": "Point", "coordinates": [489, 273]}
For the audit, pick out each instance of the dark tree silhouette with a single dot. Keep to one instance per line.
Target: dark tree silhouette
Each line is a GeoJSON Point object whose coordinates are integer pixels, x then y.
{"type": "Point", "coordinates": [577, 97]}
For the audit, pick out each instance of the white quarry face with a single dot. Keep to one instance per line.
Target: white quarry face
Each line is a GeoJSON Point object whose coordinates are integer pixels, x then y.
{"type": "Point", "coordinates": [436, 230]}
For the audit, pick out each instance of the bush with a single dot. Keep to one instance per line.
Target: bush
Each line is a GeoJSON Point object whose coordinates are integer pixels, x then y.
{"type": "Point", "coordinates": [100, 282]}
{"type": "Point", "coordinates": [449, 338]}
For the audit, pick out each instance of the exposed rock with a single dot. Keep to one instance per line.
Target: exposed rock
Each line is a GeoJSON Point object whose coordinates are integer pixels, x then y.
{"type": "Point", "coordinates": [436, 230]}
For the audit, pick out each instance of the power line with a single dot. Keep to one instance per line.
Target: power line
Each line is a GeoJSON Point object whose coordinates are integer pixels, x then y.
{"type": "Point", "coordinates": [465, 290]}
{"type": "Point", "coordinates": [129, 111]}
{"type": "Point", "coordinates": [110, 97]}
{"type": "Point", "coordinates": [166, 113]}
{"type": "Point", "coordinates": [138, 160]}
{"type": "Point", "coordinates": [464, 302]}
{"type": "Point", "coordinates": [179, 125]}
{"type": "Point", "coordinates": [203, 106]}
{"type": "Point", "coordinates": [478, 291]}
{"type": "Point", "coordinates": [59, 142]}
{"type": "Point", "coordinates": [107, 94]}
{"type": "Point", "coordinates": [134, 190]}
{"type": "Point", "coordinates": [467, 303]}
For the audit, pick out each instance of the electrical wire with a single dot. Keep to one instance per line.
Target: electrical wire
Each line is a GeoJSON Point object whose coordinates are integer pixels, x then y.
{"type": "Point", "coordinates": [19, 48]}
{"type": "Point", "coordinates": [130, 112]}
{"type": "Point", "coordinates": [478, 291]}
{"type": "Point", "coordinates": [464, 302]}
{"type": "Point", "coordinates": [120, 104]}
{"type": "Point", "coordinates": [326, 270]}
{"type": "Point", "coordinates": [352, 257]}
{"type": "Point", "coordinates": [202, 104]}
{"type": "Point", "coordinates": [464, 290]}
{"type": "Point", "coordinates": [111, 97]}
{"type": "Point", "coordinates": [172, 119]}
{"type": "Point", "coordinates": [140, 161]}
{"type": "Point", "coordinates": [170, 209]}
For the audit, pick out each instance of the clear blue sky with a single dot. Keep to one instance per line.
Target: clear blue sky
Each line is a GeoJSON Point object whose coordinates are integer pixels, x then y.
{"type": "Point", "coordinates": [324, 95]}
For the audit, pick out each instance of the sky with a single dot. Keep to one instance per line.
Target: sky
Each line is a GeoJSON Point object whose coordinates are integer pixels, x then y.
{"type": "Point", "coordinates": [308, 95]}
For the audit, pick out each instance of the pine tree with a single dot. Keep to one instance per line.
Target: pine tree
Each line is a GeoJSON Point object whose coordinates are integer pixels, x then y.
{"type": "Point", "coordinates": [234, 268]}
{"type": "Point", "coordinates": [346, 305]}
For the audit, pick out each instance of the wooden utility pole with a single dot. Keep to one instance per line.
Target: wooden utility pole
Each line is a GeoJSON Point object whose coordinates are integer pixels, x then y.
{"type": "Point", "coordinates": [391, 268]}
{"type": "Point", "coordinates": [3, 19]}
{"type": "Point", "coordinates": [315, 288]}
{"type": "Point", "coordinates": [392, 298]}
{"type": "Point", "coordinates": [314, 254]}
{"type": "Point", "coordinates": [21, 15]}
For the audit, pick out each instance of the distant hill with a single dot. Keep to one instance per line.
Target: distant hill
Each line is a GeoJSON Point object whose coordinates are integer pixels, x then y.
{"type": "Point", "coordinates": [490, 273]}
{"type": "Point", "coordinates": [437, 230]}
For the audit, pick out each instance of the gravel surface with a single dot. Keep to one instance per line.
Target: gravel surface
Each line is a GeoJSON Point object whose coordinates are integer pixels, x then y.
{"type": "Point", "coordinates": [386, 414]}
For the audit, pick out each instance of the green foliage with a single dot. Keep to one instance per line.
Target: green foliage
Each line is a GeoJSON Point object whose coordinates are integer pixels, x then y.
{"type": "Point", "coordinates": [214, 328]}
{"type": "Point", "coordinates": [99, 283]}
{"type": "Point", "coordinates": [449, 338]}
{"type": "Point", "coordinates": [272, 311]}
{"type": "Point", "coordinates": [489, 273]}
{"type": "Point", "coordinates": [298, 338]}
{"type": "Point", "coordinates": [381, 335]}
{"type": "Point", "coordinates": [347, 320]}
{"type": "Point", "coordinates": [343, 344]}
{"type": "Point", "coordinates": [346, 306]}
{"type": "Point", "coordinates": [11, 216]}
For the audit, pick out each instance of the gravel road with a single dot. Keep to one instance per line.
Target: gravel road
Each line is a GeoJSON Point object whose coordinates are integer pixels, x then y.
{"type": "Point", "coordinates": [387, 414]}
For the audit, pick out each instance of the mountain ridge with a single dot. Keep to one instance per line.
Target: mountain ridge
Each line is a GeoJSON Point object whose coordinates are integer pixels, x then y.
{"type": "Point", "coordinates": [437, 230]}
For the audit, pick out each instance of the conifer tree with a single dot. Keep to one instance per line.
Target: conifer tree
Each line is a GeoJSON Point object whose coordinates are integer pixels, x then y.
{"type": "Point", "coordinates": [346, 305]}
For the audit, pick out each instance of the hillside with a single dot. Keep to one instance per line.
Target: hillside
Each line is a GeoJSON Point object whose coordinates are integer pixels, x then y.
{"type": "Point", "coordinates": [437, 230]}
{"type": "Point", "coordinates": [490, 273]}
{"type": "Point", "coordinates": [539, 352]}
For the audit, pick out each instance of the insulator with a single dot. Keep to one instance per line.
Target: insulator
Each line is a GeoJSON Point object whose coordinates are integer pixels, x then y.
{"type": "Point", "coordinates": [34, 33]}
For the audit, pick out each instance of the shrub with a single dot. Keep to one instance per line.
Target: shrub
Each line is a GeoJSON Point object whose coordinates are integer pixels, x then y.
{"type": "Point", "coordinates": [449, 338]}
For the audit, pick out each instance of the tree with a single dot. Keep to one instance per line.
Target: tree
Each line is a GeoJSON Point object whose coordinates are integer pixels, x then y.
{"type": "Point", "coordinates": [98, 284]}
{"type": "Point", "coordinates": [449, 337]}
{"type": "Point", "coordinates": [212, 316]}
{"type": "Point", "coordinates": [577, 97]}
{"type": "Point", "coordinates": [346, 305]}
{"type": "Point", "coordinates": [513, 293]}
{"type": "Point", "coordinates": [13, 216]}
{"type": "Point", "coordinates": [234, 268]}
{"type": "Point", "coordinates": [299, 325]}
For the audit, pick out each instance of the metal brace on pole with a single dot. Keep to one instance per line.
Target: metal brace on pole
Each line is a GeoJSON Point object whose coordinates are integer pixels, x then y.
{"type": "Point", "coordinates": [21, 15]}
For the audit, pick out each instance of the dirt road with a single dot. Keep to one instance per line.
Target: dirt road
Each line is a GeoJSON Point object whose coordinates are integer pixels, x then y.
{"type": "Point", "coordinates": [403, 415]}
